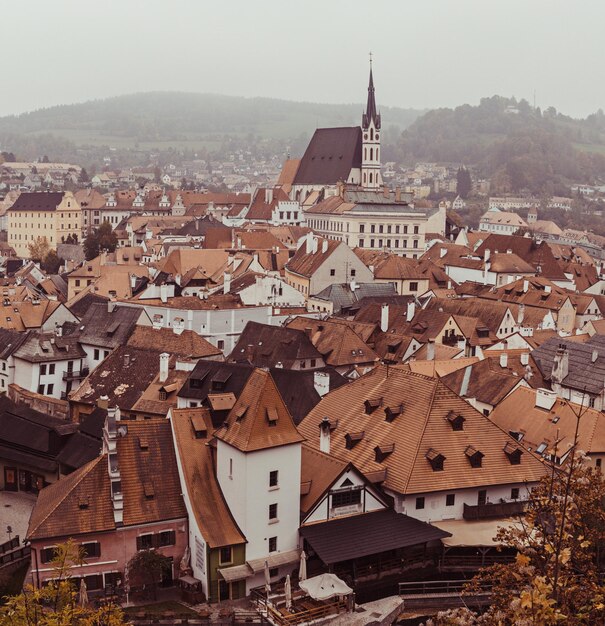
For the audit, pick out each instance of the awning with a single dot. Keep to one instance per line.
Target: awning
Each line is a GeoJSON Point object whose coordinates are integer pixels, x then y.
{"type": "Point", "coordinates": [325, 586]}
{"type": "Point", "coordinates": [473, 533]}
{"type": "Point", "coordinates": [346, 538]}
{"type": "Point", "coordinates": [236, 572]}
{"type": "Point", "coordinates": [275, 560]}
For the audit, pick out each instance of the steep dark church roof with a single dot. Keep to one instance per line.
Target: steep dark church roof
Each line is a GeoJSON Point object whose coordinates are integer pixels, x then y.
{"type": "Point", "coordinates": [371, 113]}
{"type": "Point", "coordinates": [330, 156]}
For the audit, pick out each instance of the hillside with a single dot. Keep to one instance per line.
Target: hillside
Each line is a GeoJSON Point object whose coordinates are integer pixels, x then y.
{"type": "Point", "coordinates": [181, 120]}
{"type": "Point", "coordinates": [511, 143]}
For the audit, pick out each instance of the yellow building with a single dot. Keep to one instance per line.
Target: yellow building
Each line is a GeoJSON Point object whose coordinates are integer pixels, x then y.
{"type": "Point", "coordinates": [54, 216]}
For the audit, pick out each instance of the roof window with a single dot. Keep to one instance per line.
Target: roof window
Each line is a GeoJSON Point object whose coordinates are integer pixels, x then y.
{"type": "Point", "coordinates": [456, 421]}
{"type": "Point", "coordinates": [436, 459]}
{"type": "Point", "coordinates": [475, 457]}
{"type": "Point", "coordinates": [382, 452]}
{"type": "Point", "coordinates": [391, 412]}
{"type": "Point", "coordinates": [372, 404]}
{"type": "Point", "coordinates": [513, 453]}
{"type": "Point", "coordinates": [352, 439]}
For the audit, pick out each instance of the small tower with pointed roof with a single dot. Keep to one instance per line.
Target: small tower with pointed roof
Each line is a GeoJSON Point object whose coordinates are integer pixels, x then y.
{"type": "Point", "coordinates": [370, 127]}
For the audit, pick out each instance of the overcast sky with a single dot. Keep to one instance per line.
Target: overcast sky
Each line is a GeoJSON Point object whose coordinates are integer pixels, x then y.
{"type": "Point", "coordinates": [427, 53]}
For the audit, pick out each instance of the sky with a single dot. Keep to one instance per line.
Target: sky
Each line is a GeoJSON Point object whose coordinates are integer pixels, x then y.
{"type": "Point", "coordinates": [427, 53]}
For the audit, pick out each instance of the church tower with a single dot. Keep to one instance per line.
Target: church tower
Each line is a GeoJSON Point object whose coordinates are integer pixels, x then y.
{"type": "Point", "coordinates": [370, 128]}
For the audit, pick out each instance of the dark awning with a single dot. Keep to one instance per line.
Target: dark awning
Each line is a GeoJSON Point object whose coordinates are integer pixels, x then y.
{"type": "Point", "coordinates": [370, 533]}
{"type": "Point", "coordinates": [24, 458]}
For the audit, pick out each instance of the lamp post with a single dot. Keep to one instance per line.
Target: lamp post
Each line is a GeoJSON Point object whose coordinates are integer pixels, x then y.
{"type": "Point", "coordinates": [9, 530]}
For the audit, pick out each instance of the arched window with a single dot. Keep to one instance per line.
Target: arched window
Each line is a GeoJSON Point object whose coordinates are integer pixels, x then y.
{"type": "Point", "coordinates": [370, 177]}
{"type": "Point", "coordinates": [364, 178]}
{"type": "Point", "coordinates": [371, 134]}
{"type": "Point", "coordinates": [371, 154]}
{"type": "Point", "coordinates": [377, 158]}
{"type": "Point", "coordinates": [365, 154]}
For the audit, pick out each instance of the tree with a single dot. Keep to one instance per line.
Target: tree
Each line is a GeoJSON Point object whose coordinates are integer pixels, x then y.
{"type": "Point", "coordinates": [464, 183]}
{"type": "Point", "coordinates": [51, 263]}
{"type": "Point", "coordinates": [83, 178]}
{"type": "Point", "coordinates": [560, 545]}
{"type": "Point", "coordinates": [38, 249]}
{"type": "Point", "coordinates": [145, 570]}
{"type": "Point", "coordinates": [102, 238]}
{"type": "Point", "coordinates": [57, 603]}
{"type": "Point", "coordinates": [45, 159]}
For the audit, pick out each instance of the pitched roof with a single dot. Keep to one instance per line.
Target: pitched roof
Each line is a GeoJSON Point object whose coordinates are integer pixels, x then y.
{"type": "Point", "coordinates": [307, 263]}
{"type": "Point", "coordinates": [330, 156]}
{"type": "Point", "coordinates": [37, 201]}
{"type": "Point", "coordinates": [420, 424]}
{"type": "Point", "coordinates": [318, 471]}
{"type": "Point", "coordinates": [211, 512]}
{"type": "Point", "coordinates": [108, 328]}
{"type": "Point", "coordinates": [259, 419]}
{"type": "Point", "coordinates": [188, 343]}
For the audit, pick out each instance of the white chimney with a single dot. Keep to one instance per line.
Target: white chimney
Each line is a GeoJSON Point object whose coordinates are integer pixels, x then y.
{"type": "Point", "coordinates": [324, 246]}
{"type": "Point", "coordinates": [321, 382]}
{"type": "Point", "coordinates": [309, 243]}
{"type": "Point", "coordinates": [226, 282]}
{"type": "Point", "coordinates": [164, 293]}
{"type": "Point", "coordinates": [504, 360]}
{"type": "Point", "coordinates": [430, 350]}
{"type": "Point", "coordinates": [547, 288]}
{"type": "Point", "coordinates": [268, 196]}
{"type": "Point", "coordinates": [133, 281]}
{"type": "Point", "coordinates": [525, 358]}
{"type": "Point", "coordinates": [521, 314]}
{"type": "Point", "coordinates": [353, 286]}
{"type": "Point", "coordinates": [164, 359]}
{"type": "Point", "coordinates": [486, 255]}
{"type": "Point", "coordinates": [594, 356]}
{"type": "Point", "coordinates": [545, 399]}
{"type": "Point", "coordinates": [411, 311]}
{"type": "Point", "coordinates": [178, 325]}
{"type": "Point", "coordinates": [384, 318]}
{"type": "Point", "coordinates": [324, 435]}
{"type": "Point", "coordinates": [525, 286]}
{"type": "Point", "coordinates": [110, 306]}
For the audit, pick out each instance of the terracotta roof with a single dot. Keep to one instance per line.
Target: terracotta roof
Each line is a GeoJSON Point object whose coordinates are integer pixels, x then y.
{"type": "Point", "coordinates": [420, 424]}
{"type": "Point", "coordinates": [437, 368]}
{"type": "Point", "coordinates": [188, 343]}
{"type": "Point", "coordinates": [180, 261]}
{"type": "Point", "coordinates": [259, 419]}
{"type": "Point", "coordinates": [211, 512]}
{"type": "Point", "coordinates": [503, 262]}
{"type": "Point", "coordinates": [317, 474]}
{"type": "Point", "coordinates": [288, 174]}
{"type": "Point", "coordinates": [260, 209]}
{"type": "Point", "coordinates": [306, 264]}
{"type": "Point", "coordinates": [518, 413]}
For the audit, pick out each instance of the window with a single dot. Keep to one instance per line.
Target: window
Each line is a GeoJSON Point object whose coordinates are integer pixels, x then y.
{"type": "Point", "coordinates": [273, 511]}
{"type": "Point", "coordinates": [41, 389]}
{"type": "Point", "coordinates": [96, 354]}
{"type": "Point", "coordinates": [230, 468]}
{"type": "Point", "coordinates": [598, 463]}
{"type": "Point", "coordinates": [420, 502]}
{"type": "Point", "coordinates": [49, 389]}
{"type": "Point", "coordinates": [167, 538]}
{"type": "Point", "coordinates": [313, 362]}
{"type": "Point", "coordinates": [482, 497]}
{"type": "Point", "coordinates": [47, 554]}
{"type": "Point", "coordinates": [362, 228]}
{"type": "Point", "coordinates": [415, 230]}
{"type": "Point", "coordinates": [272, 544]}
{"type": "Point", "coordinates": [361, 243]}
{"type": "Point", "coordinates": [43, 369]}
{"type": "Point", "coordinates": [51, 368]}
{"type": "Point", "coordinates": [77, 282]}
{"type": "Point", "coordinates": [591, 402]}
{"type": "Point", "coordinates": [220, 344]}
{"type": "Point", "coordinates": [332, 272]}
{"type": "Point", "coordinates": [514, 493]}
{"type": "Point", "coordinates": [413, 286]}
{"type": "Point", "coordinates": [144, 542]}
{"type": "Point", "coordinates": [415, 243]}
{"type": "Point", "coordinates": [380, 228]}
{"type": "Point", "coordinates": [225, 555]}
{"type": "Point", "coordinates": [346, 498]}
{"type": "Point", "coordinates": [91, 549]}
{"type": "Point", "coordinates": [353, 272]}
{"type": "Point", "coordinates": [274, 572]}
{"type": "Point", "coordinates": [273, 478]}
{"type": "Point", "coordinates": [450, 499]}
{"type": "Point", "coordinates": [372, 228]}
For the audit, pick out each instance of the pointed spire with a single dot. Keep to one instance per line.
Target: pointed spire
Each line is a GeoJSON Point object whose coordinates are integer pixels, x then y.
{"type": "Point", "coordinates": [371, 113]}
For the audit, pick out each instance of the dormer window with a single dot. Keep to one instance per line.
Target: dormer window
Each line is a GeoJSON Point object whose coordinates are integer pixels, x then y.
{"type": "Point", "coordinates": [372, 405]}
{"type": "Point", "coordinates": [352, 439]}
{"type": "Point", "coordinates": [148, 490]}
{"type": "Point", "coordinates": [272, 416]}
{"type": "Point", "coordinates": [436, 459]}
{"type": "Point", "coordinates": [482, 332]}
{"type": "Point", "coordinates": [163, 395]}
{"type": "Point", "coordinates": [456, 420]}
{"type": "Point", "coordinates": [475, 457]}
{"type": "Point", "coordinates": [513, 453]}
{"type": "Point", "coordinates": [391, 412]}
{"type": "Point", "coordinates": [382, 452]}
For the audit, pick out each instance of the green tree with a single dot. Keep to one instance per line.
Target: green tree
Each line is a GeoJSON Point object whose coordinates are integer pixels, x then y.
{"type": "Point", "coordinates": [38, 249]}
{"type": "Point", "coordinates": [83, 178]}
{"type": "Point", "coordinates": [51, 263]}
{"type": "Point", "coordinates": [102, 238]}
{"type": "Point", "coordinates": [464, 184]}
{"type": "Point", "coordinates": [58, 602]}
{"type": "Point", "coordinates": [45, 159]}
{"type": "Point", "coordinates": [145, 570]}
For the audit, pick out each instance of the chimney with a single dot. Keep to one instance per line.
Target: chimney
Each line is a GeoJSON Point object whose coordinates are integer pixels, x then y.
{"type": "Point", "coordinates": [521, 314]}
{"type": "Point", "coordinates": [164, 359]}
{"type": "Point", "coordinates": [545, 399]}
{"type": "Point", "coordinates": [268, 196]}
{"type": "Point", "coordinates": [133, 281]}
{"type": "Point", "coordinates": [324, 435]}
{"type": "Point", "coordinates": [525, 358]}
{"type": "Point", "coordinates": [509, 251]}
{"type": "Point", "coordinates": [411, 311]}
{"type": "Point", "coordinates": [110, 306]}
{"type": "Point", "coordinates": [504, 360]}
{"type": "Point", "coordinates": [397, 194]}
{"type": "Point", "coordinates": [353, 286]}
{"type": "Point", "coordinates": [486, 255]}
{"type": "Point", "coordinates": [103, 402]}
{"type": "Point", "coordinates": [321, 382]}
{"type": "Point", "coordinates": [384, 318]}
{"type": "Point", "coordinates": [58, 330]}
{"type": "Point", "coordinates": [164, 293]}
{"type": "Point", "coordinates": [324, 246]}
{"type": "Point", "coordinates": [560, 367]}
{"type": "Point", "coordinates": [226, 282]}
{"type": "Point", "coordinates": [442, 252]}
{"type": "Point", "coordinates": [430, 350]}
{"type": "Point", "coordinates": [594, 356]}
{"type": "Point", "coordinates": [547, 288]}
{"type": "Point", "coordinates": [309, 243]}
{"type": "Point", "coordinates": [525, 286]}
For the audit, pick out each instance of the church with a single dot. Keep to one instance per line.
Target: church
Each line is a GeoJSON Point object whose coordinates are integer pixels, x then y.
{"type": "Point", "coordinates": [348, 155]}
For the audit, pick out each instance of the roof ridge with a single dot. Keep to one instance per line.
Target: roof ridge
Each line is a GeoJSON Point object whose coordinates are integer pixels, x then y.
{"type": "Point", "coordinates": [92, 465]}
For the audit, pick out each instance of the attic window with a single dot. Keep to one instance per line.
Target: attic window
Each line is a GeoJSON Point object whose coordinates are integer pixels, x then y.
{"type": "Point", "coordinates": [83, 503]}
{"type": "Point", "coordinates": [555, 419]}
{"type": "Point", "coordinates": [482, 331]}
{"type": "Point", "coordinates": [240, 412]}
{"type": "Point", "coordinates": [272, 415]}
{"type": "Point", "coordinates": [540, 449]}
{"type": "Point", "coordinates": [392, 412]}
{"type": "Point", "coordinates": [143, 444]}
{"type": "Point", "coordinates": [199, 426]}
{"type": "Point", "coordinates": [513, 453]}
{"type": "Point", "coordinates": [148, 490]}
{"type": "Point", "coordinates": [475, 456]}
{"type": "Point", "coordinates": [456, 421]}
{"type": "Point", "coordinates": [352, 439]}
{"type": "Point", "coordinates": [163, 395]}
{"type": "Point", "coordinates": [382, 452]}
{"type": "Point", "coordinates": [436, 459]}
{"type": "Point", "coordinates": [372, 405]}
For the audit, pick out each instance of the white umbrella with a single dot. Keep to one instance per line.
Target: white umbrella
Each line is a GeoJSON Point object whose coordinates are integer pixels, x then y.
{"type": "Point", "coordinates": [288, 592]}
{"type": "Point", "coordinates": [83, 599]}
{"type": "Point", "coordinates": [325, 586]}
{"type": "Point", "coordinates": [267, 579]}
{"type": "Point", "coordinates": [302, 569]}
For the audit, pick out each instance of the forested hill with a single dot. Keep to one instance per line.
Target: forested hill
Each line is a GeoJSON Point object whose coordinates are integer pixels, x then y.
{"type": "Point", "coordinates": [189, 117]}
{"type": "Point", "coordinates": [511, 142]}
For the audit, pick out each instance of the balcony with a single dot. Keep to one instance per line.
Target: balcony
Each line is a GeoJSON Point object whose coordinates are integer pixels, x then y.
{"type": "Point", "coordinates": [451, 340]}
{"type": "Point", "coordinates": [76, 374]}
{"type": "Point", "coordinates": [492, 510]}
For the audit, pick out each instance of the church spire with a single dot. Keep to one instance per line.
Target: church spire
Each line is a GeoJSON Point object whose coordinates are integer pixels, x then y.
{"type": "Point", "coordinates": [371, 114]}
